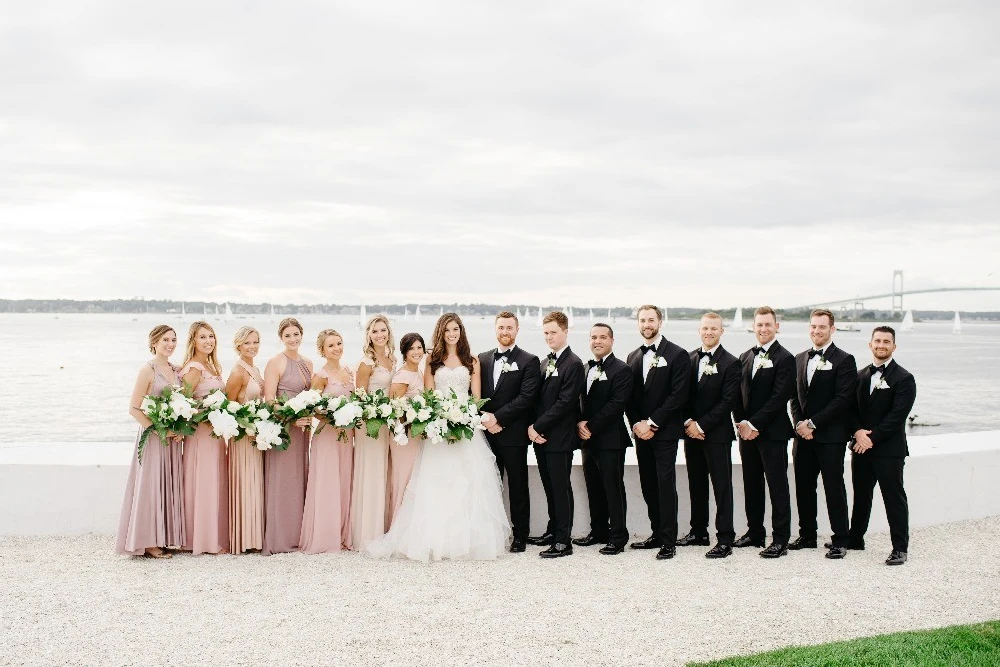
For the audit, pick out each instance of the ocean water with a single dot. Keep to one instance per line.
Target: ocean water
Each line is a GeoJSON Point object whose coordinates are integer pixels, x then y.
{"type": "Point", "coordinates": [69, 378]}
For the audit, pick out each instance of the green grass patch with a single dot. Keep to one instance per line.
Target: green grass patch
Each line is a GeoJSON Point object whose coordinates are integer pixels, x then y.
{"type": "Point", "coordinates": [958, 645]}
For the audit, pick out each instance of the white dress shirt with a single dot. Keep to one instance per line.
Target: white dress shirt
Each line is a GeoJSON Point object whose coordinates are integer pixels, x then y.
{"type": "Point", "coordinates": [703, 362]}
{"type": "Point", "coordinates": [647, 357]}
{"type": "Point", "coordinates": [758, 360]}
{"type": "Point", "coordinates": [497, 363]}
{"type": "Point", "coordinates": [877, 376]}
{"type": "Point", "coordinates": [814, 362]}
{"type": "Point", "coordinates": [592, 372]}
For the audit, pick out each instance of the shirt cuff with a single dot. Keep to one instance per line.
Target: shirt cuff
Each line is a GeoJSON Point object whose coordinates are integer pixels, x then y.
{"type": "Point", "coordinates": [688, 422]}
{"type": "Point", "coordinates": [700, 429]}
{"type": "Point", "coordinates": [811, 425]}
{"type": "Point", "coordinates": [652, 423]}
{"type": "Point", "coordinates": [752, 427]}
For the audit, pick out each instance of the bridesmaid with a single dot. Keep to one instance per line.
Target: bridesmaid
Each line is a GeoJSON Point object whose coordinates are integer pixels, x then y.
{"type": "Point", "coordinates": [326, 521]}
{"type": "Point", "coordinates": [369, 509]}
{"type": "Point", "coordinates": [152, 515]}
{"type": "Point", "coordinates": [246, 462]}
{"type": "Point", "coordinates": [286, 375]}
{"type": "Point", "coordinates": [409, 382]}
{"type": "Point", "coordinates": [206, 475]}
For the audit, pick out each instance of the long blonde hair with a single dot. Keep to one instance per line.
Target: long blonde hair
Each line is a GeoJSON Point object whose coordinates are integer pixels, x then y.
{"type": "Point", "coordinates": [213, 359]}
{"type": "Point", "coordinates": [368, 349]}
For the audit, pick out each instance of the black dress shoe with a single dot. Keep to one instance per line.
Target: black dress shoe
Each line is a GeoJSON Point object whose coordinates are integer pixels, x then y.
{"type": "Point", "coordinates": [851, 546]}
{"type": "Point", "coordinates": [719, 551]}
{"type": "Point", "coordinates": [517, 546]}
{"type": "Point", "coordinates": [666, 552]}
{"type": "Point", "coordinates": [611, 549]}
{"type": "Point", "coordinates": [691, 540]}
{"type": "Point", "coordinates": [774, 550]}
{"type": "Point", "coordinates": [896, 558]}
{"type": "Point", "coordinates": [543, 540]}
{"type": "Point", "coordinates": [747, 541]}
{"type": "Point", "coordinates": [802, 543]}
{"type": "Point", "coordinates": [588, 541]}
{"type": "Point", "coordinates": [557, 550]}
{"type": "Point", "coordinates": [836, 553]}
{"type": "Point", "coordinates": [649, 543]}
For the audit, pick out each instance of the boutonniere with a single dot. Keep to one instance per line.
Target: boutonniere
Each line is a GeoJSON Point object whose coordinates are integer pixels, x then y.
{"type": "Point", "coordinates": [507, 367]}
{"type": "Point", "coordinates": [550, 369]}
{"type": "Point", "coordinates": [710, 369]}
{"type": "Point", "coordinates": [600, 376]}
{"type": "Point", "coordinates": [765, 361]}
{"type": "Point", "coordinates": [824, 365]}
{"type": "Point", "coordinates": [657, 361]}
{"type": "Point", "coordinates": [882, 384]}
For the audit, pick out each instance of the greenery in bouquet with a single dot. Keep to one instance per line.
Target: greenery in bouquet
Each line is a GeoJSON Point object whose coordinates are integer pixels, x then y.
{"type": "Point", "coordinates": [455, 418]}
{"type": "Point", "coordinates": [170, 413]}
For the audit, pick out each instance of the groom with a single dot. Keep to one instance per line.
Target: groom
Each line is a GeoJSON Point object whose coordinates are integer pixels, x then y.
{"type": "Point", "coordinates": [510, 382]}
{"type": "Point", "coordinates": [554, 435]}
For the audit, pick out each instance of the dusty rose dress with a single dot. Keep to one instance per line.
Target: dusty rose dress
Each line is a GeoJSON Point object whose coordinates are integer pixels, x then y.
{"type": "Point", "coordinates": [246, 480]}
{"type": "Point", "coordinates": [402, 457]}
{"type": "Point", "coordinates": [153, 508]}
{"type": "Point", "coordinates": [285, 473]}
{"type": "Point", "coordinates": [326, 521]}
{"type": "Point", "coordinates": [206, 479]}
{"type": "Point", "coordinates": [369, 509]}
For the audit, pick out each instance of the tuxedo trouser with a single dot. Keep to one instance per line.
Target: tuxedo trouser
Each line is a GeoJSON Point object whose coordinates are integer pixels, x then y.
{"type": "Point", "coordinates": [513, 461]}
{"type": "Point", "coordinates": [887, 472]}
{"type": "Point", "coordinates": [648, 481]}
{"type": "Point", "coordinates": [604, 473]}
{"type": "Point", "coordinates": [705, 461]}
{"type": "Point", "coordinates": [554, 468]}
{"type": "Point", "coordinates": [810, 459]}
{"type": "Point", "coordinates": [658, 481]}
{"type": "Point", "coordinates": [766, 461]}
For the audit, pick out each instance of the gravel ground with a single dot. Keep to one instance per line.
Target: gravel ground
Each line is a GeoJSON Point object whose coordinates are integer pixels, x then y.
{"type": "Point", "coordinates": [72, 601]}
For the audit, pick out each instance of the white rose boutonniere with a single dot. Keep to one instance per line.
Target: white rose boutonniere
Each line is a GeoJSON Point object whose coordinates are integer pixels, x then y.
{"type": "Point", "coordinates": [710, 369]}
{"type": "Point", "coordinates": [551, 370]}
{"type": "Point", "coordinates": [657, 362]}
{"type": "Point", "coordinates": [506, 367]}
{"type": "Point", "coordinates": [601, 376]}
{"type": "Point", "coordinates": [882, 384]}
{"type": "Point", "coordinates": [824, 365]}
{"type": "Point", "coordinates": [765, 363]}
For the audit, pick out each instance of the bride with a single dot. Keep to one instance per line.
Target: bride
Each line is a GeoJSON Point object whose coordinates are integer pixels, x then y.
{"type": "Point", "coordinates": [452, 507]}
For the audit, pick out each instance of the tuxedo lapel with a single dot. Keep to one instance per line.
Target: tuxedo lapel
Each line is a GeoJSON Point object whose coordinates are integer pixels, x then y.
{"type": "Point", "coordinates": [660, 351]}
{"type": "Point", "coordinates": [488, 375]}
{"type": "Point", "coordinates": [510, 360]}
{"type": "Point", "coordinates": [802, 376]}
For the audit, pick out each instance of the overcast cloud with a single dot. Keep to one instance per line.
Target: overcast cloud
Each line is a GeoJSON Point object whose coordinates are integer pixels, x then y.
{"type": "Point", "coordinates": [715, 153]}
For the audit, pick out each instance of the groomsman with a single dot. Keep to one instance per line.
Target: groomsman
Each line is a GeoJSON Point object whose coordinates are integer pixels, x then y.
{"type": "Point", "coordinates": [767, 383]}
{"type": "Point", "coordinates": [510, 382]}
{"type": "Point", "coordinates": [604, 439]}
{"type": "Point", "coordinates": [661, 373]}
{"type": "Point", "coordinates": [884, 398]}
{"type": "Point", "coordinates": [708, 445]}
{"type": "Point", "coordinates": [826, 379]}
{"type": "Point", "coordinates": [557, 412]}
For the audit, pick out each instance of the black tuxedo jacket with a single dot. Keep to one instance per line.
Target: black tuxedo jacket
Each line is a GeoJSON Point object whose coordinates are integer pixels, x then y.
{"type": "Point", "coordinates": [557, 409]}
{"type": "Point", "coordinates": [512, 402]}
{"type": "Point", "coordinates": [764, 396]}
{"type": "Point", "coordinates": [664, 394]}
{"type": "Point", "coordinates": [828, 400]}
{"type": "Point", "coordinates": [603, 407]}
{"type": "Point", "coordinates": [713, 398]}
{"type": "Point", "coordinates": [884, 411]}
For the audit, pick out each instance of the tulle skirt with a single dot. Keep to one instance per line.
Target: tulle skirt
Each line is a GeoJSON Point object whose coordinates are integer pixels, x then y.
{"type": "Point", "coordinates": [452, 507]}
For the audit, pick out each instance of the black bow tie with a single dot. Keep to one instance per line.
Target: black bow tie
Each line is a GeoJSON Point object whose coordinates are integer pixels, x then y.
{"type": "Point", "coordinates": [813, 353]}
{"type": "Point", "coordinates": [878, 369]}
{"type": "Point", "coordinates": [594, 362]}
{"type": "Point", "coordinates": [498, 354]}
{"type": "Point", "coordinates": [757, 350]}
{"type": "Point", "coordinates": [648, 348]}
{"type": "Point", "coordinates": [552, 356]}
{"type": "Point", "coordinates": [703, 353]}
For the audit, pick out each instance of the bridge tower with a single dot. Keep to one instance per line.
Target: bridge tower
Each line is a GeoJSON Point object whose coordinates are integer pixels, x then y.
{"type": "Point", "coordinates": [897, 292]}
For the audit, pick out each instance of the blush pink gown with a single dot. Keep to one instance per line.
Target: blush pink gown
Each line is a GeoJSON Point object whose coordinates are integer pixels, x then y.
{"type": "Point", "coordinates": [153, 509]}
{"type": "Point", "coordinates": [369, 509]}
{"type": "Point", "coordinates": [246, 480]}
{"type": "Point", "coordinates": [326, 521]}
{"type": "Point", "coordinates": [206, 479]}
{"type": "Point", "coordinates": [285, 473]}
{"type": "Point", "coordinates": [402, 457]}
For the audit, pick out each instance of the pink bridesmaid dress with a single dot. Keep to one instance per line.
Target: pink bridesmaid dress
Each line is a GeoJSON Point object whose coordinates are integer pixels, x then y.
{"type": "Point", "coordinates": [153, 508]}
{"type": "Point", "coordinates": [326, 521]}
{"type": "Point", "coordinates": [369, 509]}
{"type": "Point", "coordinates": [246, 480]}
{"type": "Point", "coordinates": [402, 457]}
{"type": "Point", "coordinates": [285, 473]}
{"type": "Point", "coordinates": [206, 479]}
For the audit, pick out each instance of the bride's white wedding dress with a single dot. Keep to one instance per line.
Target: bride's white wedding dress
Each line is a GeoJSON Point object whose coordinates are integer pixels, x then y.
{"type": "Point", "coordinates": [452, 507]}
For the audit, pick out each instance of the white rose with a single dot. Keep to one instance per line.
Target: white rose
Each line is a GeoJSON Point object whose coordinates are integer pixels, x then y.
{"type": "Point", "coordinates": [424, 414]}
{"type": "Point", "coordinates": [263, 414]}
{"type": "Point", "coordinates": [214, 399]}
{"type": "Point", "coordinates": [233, 407]}
{"type": "Point", "coordinates": [384, 410]}
{"type": "Point", "coordinates": [147, 405]}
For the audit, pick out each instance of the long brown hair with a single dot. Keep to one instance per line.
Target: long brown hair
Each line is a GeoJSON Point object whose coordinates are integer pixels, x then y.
{"type": "Point", "coordinates": [440, 349]}
{"type": "Point", "coordinates": [156, 334]}
{"type": "Point", "coordinates": [213, 359]}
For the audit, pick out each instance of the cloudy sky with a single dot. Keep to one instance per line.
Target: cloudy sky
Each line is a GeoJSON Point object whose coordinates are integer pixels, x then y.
{"type": "Point", "coordinates": [715, 153]}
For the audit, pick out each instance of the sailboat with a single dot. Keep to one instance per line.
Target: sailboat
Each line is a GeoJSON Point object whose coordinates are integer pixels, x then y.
{"type": "Point", "coordinates": [363, 318]}
{"type": "Point", "coordinates": [416, 315]}
{"type": "Point", "coordinates": [610, 318]}
{"type": "Point", "coordinates": [907, 324]}
{"type": "Point", "coordinates": [229, 313]}
{"type": "Point", "coordinates": [204, 309]}
{"type": "Point", "coordinates": [183, 313]}
{"type": "Point", "coordinates": [591, 314]}
{"type": "Point", "coordinates": [956, 328]}
{"type": "Point", "coordinates": [272, 312]}
{"type": "Point", "coordinates": [216, 309]}
{"type": "Point", "coordinates": [738, 319]}
{"type": "Point", "coordinates": [406, 314]}
{"type": "Point", "coordinates": [442, 311]}
{"type": "Point", "coordinates": [569, 316]}
{"type": "Point", "coordinates": [538, 318]}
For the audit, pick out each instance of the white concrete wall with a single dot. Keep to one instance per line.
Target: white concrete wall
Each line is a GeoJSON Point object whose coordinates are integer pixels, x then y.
{"type": "Point", "coordinates": [71, 488]}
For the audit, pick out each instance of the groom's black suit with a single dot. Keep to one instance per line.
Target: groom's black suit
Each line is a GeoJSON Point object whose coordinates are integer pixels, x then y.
{"type": "Point", "coordinates": [557, 412]}
{"type": "Point", "coordinates": [660, 398]}
{"type": "Point", "coordinates": [512, 402]}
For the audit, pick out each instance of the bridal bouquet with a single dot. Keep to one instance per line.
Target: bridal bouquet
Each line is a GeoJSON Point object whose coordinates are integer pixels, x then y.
{"type": "Point", "coordinates": [341, 411]}
{"type": "Point", "coordinates": [378, 410]}
{"type": "Point", "coordinates": [220, 412]}
{"type": "Point", "coordinates": [266, 432]}
{"type": "Point", "coordinates": [170, 412]}
{"type": "Point", "coordinates": [418, 412]}
{"type": "Point", "coordinates": [455, 418]}
{"type": "Point", "coordinates": [291, 409]}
